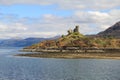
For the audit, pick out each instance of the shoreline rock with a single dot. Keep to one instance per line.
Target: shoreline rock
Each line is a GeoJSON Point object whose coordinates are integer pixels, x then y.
{"type": "Point", "coordinates": [88, 50]}
{"type": "Point", "coordinates": [73, 55]}
{"type": "Point", "coordinates": [103, 53]}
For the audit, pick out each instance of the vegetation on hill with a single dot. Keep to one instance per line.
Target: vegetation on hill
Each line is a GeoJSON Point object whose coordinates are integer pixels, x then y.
{"type": "Point", "coordinates": [75, 39]}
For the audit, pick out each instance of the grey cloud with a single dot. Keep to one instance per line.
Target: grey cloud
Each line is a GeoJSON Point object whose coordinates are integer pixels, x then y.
{"type": "Point", "coordinates": [12, 2]}
{"type": "Point", "coordinates": [69, 4]}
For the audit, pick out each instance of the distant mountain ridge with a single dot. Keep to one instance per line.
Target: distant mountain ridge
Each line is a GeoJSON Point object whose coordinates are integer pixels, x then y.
{"type": "Point", "coordinates": [23, 42]}
{"type": "Point", "coordinates": [113, 31]}
{"type": "Point", "coordinates": [19, 42]}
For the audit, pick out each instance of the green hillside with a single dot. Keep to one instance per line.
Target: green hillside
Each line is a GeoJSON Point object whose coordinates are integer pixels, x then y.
{"type": "Point", "coordinates": [75, 39]}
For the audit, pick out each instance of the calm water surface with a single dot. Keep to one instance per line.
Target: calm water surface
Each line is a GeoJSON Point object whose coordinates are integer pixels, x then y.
{"type": "Point", "coordinates": [22, 68]}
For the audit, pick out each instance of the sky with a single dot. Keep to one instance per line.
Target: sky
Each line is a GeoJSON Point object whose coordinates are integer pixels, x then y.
{"type": "Point", "coordinates": [49, 18]}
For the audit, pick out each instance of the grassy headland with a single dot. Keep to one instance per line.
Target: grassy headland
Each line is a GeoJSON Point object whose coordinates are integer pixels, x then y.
{"type": "Point", "coordinates": [76, 45]}
{"type": "Point", "coordinates": [76, 39]}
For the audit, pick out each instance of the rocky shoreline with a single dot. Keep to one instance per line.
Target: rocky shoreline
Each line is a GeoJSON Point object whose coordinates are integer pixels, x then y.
{"type": "Point", "coordinates": [83, 50]}
{"type": "Point", "coordinates": [74, 54]}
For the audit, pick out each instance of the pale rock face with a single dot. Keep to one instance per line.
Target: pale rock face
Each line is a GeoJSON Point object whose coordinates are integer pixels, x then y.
{"type": "Point", "coordinates": [70, 31]}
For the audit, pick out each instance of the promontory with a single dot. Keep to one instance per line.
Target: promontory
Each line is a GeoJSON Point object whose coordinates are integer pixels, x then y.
{"type": "Point", "coordinates": [76, 45]}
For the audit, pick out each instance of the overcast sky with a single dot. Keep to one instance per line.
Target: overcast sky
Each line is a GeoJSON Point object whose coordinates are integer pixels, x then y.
{"type": "Point", "coordinates": [48, 18]}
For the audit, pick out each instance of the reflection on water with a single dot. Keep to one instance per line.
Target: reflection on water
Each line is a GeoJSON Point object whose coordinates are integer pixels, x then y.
{"type": "Point", "coordinates": [16, 68]}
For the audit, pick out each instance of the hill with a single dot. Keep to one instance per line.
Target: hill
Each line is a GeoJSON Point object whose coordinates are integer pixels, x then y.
{"type": "Point", "coordinates": [75, 39]}
{"type": "Point", "coordinates": [113, 31]}
{"type": "Point", "coordinates": [76, 45]}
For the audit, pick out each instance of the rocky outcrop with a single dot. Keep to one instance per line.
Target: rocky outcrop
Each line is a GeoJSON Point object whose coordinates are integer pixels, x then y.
{"type": "Point", "coordinates": [113, 31]}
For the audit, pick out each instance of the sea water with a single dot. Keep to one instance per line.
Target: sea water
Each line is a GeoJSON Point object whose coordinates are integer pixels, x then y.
{"type": "Point", "coordinates": [25, 68]}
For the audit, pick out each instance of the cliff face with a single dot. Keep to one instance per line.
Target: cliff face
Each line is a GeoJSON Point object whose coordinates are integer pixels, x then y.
{"type": "Point", "coordinates": [113, 31]}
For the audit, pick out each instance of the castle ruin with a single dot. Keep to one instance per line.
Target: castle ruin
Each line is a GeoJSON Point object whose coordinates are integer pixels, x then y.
{"type": "Point", "coordinates": [75, 30]}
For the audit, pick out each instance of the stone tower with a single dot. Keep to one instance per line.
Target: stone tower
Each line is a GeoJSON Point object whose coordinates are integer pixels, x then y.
{"type": "Point", "coordinates": [76, 29]}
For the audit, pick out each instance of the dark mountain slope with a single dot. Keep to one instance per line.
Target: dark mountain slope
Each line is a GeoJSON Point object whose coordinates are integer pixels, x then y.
{"type": "Point", "coordinates": [113, 31]}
